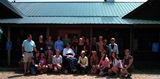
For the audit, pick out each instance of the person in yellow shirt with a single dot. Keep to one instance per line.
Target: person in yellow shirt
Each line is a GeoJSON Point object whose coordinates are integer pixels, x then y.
{"type": "Point", "coordinates": [83, 62]}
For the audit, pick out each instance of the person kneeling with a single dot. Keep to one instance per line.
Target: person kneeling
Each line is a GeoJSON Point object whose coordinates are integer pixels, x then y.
{"type": "Point", "coordinates": [34, 64]}
{"type": "Point", "coordinates": [116, 64]}
{"type": "Point", "coordinates": [57, 61]}
{"type": "Point", "coordinates": [42, 64]}
{"type": "Point", "coordinates": [127, 64]}
{"type": "Point", "coordinates": [83, 62]}
{"type": "Point", "coordinates": [104, 64]}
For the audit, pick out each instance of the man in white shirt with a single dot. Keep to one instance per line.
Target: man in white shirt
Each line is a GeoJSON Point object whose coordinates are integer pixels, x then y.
{"type": "Point", "coordinates": [68, 55]}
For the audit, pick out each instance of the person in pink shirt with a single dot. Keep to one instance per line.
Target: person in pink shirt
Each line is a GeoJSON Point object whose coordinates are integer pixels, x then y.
{"type": "Point", "coordinates": [104, 64]}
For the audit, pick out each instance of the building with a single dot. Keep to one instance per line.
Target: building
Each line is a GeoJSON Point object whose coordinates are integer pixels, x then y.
{"type": "Point", "coordinates": [134, 25]}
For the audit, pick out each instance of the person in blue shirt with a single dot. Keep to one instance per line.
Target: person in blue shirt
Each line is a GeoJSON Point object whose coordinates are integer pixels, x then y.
{"type": "Point", "coordinates": [34, 64]}
{"type": "Point", "coordinates": [28, 46]}
{"type": "Point", "coordinates": [59, 44]}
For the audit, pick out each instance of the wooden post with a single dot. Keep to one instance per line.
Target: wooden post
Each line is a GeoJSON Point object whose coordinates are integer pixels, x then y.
{"type": "Point", "coordinates": [9, 52]}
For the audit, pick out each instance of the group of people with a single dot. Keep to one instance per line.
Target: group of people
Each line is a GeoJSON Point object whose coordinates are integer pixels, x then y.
{"type": "Point", "coordinates": [76, 55]}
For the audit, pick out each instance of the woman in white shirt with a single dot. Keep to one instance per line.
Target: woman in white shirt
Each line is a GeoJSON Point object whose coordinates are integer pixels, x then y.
{"type": "Point", "coordinates": [57, 61]}
{"type": "Point", "coordinates": [116, 64]}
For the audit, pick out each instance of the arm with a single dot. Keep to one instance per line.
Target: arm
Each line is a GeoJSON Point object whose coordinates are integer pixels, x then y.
{"type": "Point", "coordinates": [35, 50]}
{"type": "Point", "coordinates": [86, 62]}
{"type": "Point", "coordinates": [22, 50]}
{"type": "Point", "coordinates": [61, 60]}
{"type": "Point", "coordinates": [130, 62]}
{"type": "Point", "coordinates": [79, 61]}
{"type": "Point", "coordinates": [117, 50]}
{"type": "Point", "coordinates": [72, 52]}
{"type": "Point", "coordinates": [64, 54]}
{"type": "Point", "coordinates": [53, 60]}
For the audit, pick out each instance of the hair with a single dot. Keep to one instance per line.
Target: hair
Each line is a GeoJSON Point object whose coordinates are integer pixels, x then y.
{"type": "Point", "coordinates": [127, 51]}
{"type": "Point", "coordinates": [105, 40]}
{"type": "Point", "coordinates": [29, 35]}
{"type": "Point", "coordinates": [112, 39]}
{"type": "Point", "coordinates": [104, 52]}
{"type": "Point", "coordinates": [83, 52]}
{"type": "Point", "coordinates": [116, 56]}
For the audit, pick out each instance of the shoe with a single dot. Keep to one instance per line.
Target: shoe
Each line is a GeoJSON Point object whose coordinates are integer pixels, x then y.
{"type": "Point", "coordinates": [25, 74]}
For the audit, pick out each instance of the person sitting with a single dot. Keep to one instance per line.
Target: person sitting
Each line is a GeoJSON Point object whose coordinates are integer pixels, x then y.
{"type": "Point", "coordinates": [49, 61]}
{"type": "Point", "coordinates": [57, 61]}
{"type": "Point", "coordinates": [34, 64]}
{"type": "Point", "coordinates": [94, 62]}
{"type": "Point", "coordinates": [104, 64]}
{"type": "Point", "coordinates": [116, 64]}
{"type": "Point", "coordinates": [42, 64]}
{"type": "Point", "coordinates": [68, 55]}
{"type": "Point", "coordinates": [83, 62]}
{"type": "Point", "coordinates": [127, 64]}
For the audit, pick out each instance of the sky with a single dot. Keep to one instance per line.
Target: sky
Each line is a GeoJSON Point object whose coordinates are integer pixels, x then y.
{"type": "Point", "coordinates": [76, 0]}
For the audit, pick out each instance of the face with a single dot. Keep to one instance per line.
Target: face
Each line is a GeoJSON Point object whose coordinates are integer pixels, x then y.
{"type": "Point", "coordinates": [68, 46]}
{"type": "Point", "coordinates": [29, 38]}
{"type": "Point", "coordinates": [49, 52]}
{"type": "Point", "coordinates": [82, 55]}
{"type": "Point", "coordinates": [80, 40]}
{"type": "Point", "coordinates": [49, 38]}
{"type": "Point", "coordinates": [37, 54]}
{"type": "Point", "coordinates": [113, 54]}
{"type": "Point", "coordinates": [57, 52]}
{"type": "Point", "coordinates": [87, 40]}
{"type": "Point", "coordinates": [127, 53]}
{"type": "Point", "coordinates": [112, 40]}
{"type": "Point", "coordinates": [58, 37]}
{"type": "Point", "coordinates": [66, 35]}
{"type": "Point", "coordinates": [103, 54]}
{"type": "Point", "coordinates": [100, 38]}
{"type": "Point", "coordinates": [41, 38]}
{"type": "Point", "coordinates": [94, 54]}
{"type": "Point", "coordinates": [42, 55]}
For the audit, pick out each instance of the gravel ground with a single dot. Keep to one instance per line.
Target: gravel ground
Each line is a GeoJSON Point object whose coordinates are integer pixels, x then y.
{"type": "Point", "coordinates": [15, 73]}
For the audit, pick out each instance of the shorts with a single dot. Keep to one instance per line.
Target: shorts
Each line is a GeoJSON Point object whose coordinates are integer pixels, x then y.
{"type": "Point", "coordinates": [105, 70]}
{"type": "Point", "coordinates": [27, 57]}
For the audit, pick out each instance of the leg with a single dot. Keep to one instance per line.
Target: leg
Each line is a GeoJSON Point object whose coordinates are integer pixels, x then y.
{"type": "Point", "coordinates": [115, 70]}
{"type": "Point", "coordinates": [55, 69]}
{"type": "Point", "coordinates": [25, 67]}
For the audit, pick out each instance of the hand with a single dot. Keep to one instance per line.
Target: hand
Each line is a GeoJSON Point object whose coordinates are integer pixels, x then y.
{"type": "Point", "coordinates": [36, 65]}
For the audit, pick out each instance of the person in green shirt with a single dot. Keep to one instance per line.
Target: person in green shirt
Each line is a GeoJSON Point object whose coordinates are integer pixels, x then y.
{"type": "Point", "coordinates": [66, 40]}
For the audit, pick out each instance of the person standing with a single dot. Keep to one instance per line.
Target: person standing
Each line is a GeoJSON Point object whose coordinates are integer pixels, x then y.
{"type": "Point", "coordinates": [100, 46]}
{"type": "Point", "coordinates": [28, 46]}
{"type": "Point", "coordinates": [49, 44]}
{"type": "Point", "coordinates": [41, 45]}
{"type": "Point", "coordinates": [113, 46]}
{"type": "Point", "coordinates": [59, 45]}
{"type": "Point", "coordinates": [66, 40]}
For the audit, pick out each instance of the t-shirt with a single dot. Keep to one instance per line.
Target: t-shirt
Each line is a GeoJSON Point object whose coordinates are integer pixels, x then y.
{"type": "Point", "coordinates": [41, 47]}
{"type": "Point", "coordinates": [126, 61]}
{"type": "Point", "coordinates": [35, 61]}
{"type": "Point", "coordinates": [57, 60]}
{"type": "Point", "coordinates": [28, 45]}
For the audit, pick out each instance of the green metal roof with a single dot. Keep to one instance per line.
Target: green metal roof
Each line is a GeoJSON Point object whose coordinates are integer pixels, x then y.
{"type": "Point", "coordinates": [75, 13]}
{"type": "Point", "coordinates": [75, 9]}
{"type": "Point", "coordinates": [76, 20]}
